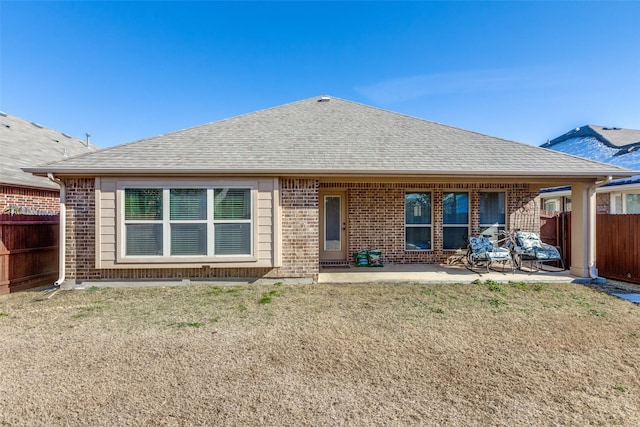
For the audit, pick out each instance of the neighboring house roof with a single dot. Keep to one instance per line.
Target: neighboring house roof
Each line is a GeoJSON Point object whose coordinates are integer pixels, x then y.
{"type": "Point", "coordinates": [611, 136]}
{"type": "Point", "coordinates": [330, 136]}
{"type": "Point", "coordinates": [616, 146]}
{"type": "Point", "coordinates": [29, 144]}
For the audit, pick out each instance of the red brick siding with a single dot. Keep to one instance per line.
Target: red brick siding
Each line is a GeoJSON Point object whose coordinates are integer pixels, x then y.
{"type": "Point", "coordinates": [32, 198]}
{"type": "Point", "coordinates": [603, 203]}
{"type": "Point", "coordinates": [80, 229]}
{"type": "Point", "coordinates": [523, 209]}
{"type": "Point", "coordinates": [376, 215]}
{"type": "Point", "coordinates": [376, 221]}
{"type": "Point", "coordinates": [299, 201]}
{"type": "Point", "coordinates": [300, 229]}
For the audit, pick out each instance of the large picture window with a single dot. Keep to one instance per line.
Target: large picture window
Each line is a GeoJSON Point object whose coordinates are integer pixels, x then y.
{"type": "Point", "coordinates": [455, 220]}
{"type": "Point", "coordinates": [178, 222]}
{"type": "Point", "coordinates": [417, 208]}
{"type": "Point", "coordinates": [492, 214]}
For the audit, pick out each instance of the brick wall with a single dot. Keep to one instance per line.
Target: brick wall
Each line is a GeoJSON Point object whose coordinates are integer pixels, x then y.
{"type": "Point", "coordinates": [603, 203]}
{"type": "Point", "coordinates": [299, 202]}
{"type": "Point", "coordinates": [523, 209]}
{"type": "Point", "coordinates": [80, 229]}
{"type": "Point", "coordinates": [300, 232]}
{"type": "Point", "coordinates": [31, 198]}
{"type": "Point", "coordinates": [376, 215]}
{"type": "Point", "coordinates": [376, 221]}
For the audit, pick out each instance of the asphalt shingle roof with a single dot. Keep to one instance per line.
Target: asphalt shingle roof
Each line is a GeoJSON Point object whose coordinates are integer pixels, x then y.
{"type": "Point", "coordinates": [612, 136]}
{"type": "Point", "coordinates": [28, 144]}
{"type": "Point", "coordinates": [335, 136]}
{"type": "Point", "coordinates": [610, 145]}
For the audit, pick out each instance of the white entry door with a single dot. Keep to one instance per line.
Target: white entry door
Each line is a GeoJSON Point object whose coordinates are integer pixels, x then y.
{"type": "Point", "coordinates": [333, 225]}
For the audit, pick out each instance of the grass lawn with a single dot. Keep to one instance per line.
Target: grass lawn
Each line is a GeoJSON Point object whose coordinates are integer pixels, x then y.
{"type": "Point", "coordinates": [482, 354]}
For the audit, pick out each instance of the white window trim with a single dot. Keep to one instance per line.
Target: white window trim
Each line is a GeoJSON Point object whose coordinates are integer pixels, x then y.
{"type": "Point", "coordinates": [211, 257]}
{"type": "Point", "coordinates": [613, 204]}
{"type": "Point", "coordinates": [430, 225]}
{"type": "Point", "coordinates": [623, 200]}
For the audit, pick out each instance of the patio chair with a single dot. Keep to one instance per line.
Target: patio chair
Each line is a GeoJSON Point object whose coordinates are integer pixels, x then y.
{"type": "Point", "coordinates": [534, 250]}
{"type": "Point", "coordinates": [481, 250]}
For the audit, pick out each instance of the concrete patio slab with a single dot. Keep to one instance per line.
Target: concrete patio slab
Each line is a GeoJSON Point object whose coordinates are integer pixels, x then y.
{"type": "Point", "coordinates": [439, 273]}
{"type": "Point", "coordinates": [393, 273]}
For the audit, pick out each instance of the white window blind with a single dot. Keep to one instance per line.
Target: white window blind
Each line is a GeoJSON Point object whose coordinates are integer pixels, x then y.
{"type": "Point", "coordinates": [232, 219]}
{"type": "Point", "coordinates": [177, 222]}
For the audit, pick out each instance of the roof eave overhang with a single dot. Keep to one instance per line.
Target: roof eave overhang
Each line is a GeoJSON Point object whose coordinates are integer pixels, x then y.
{"type": "Point", "coordinates": [31, 186]}
{"type": "Point", "coordinates": [537, 176]}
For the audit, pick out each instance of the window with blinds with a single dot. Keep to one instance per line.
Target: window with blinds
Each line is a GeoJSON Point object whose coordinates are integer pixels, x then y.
{"type": "Point", "coordinates": [178, 222]}
{"type": "Point", "coordinates": [417, 221]}
{"type": "Point", "coordinates": [143, 219]}
{"type": "Point", "coordinates": [232, 219]}
{"type": "Point", "coordinates": [188, 218]}
{"type": "Point", "coordinates": [455, 220]}
{"type": "Point", "coordinates": [493, 217]}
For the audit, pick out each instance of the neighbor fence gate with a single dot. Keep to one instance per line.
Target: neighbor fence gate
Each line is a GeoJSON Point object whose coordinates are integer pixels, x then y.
{"type": "Point", "coordinates": [617, 242]}
{"type": "Point", "coordinates": [28, 251]}
{"type": "Point", "coordinates": [618, 246]}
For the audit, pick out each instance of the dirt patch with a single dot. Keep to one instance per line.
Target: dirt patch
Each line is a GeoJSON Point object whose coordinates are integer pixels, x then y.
{"type": "Point", "coordinates": [482, 354]}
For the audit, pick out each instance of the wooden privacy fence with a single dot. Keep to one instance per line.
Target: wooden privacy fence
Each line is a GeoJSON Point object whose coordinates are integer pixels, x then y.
{"type": "Point", "coordinates": [28, 251]}
{"type": "Point", "coordinates": [617, 242]}
{"type": "Point", "coordinates": [618, 246]}
{"type": "Point", "coordinates": [555, 229]}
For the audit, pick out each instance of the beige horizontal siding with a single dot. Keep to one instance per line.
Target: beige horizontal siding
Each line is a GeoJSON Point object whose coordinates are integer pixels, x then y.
{"type": "Point", "coordinates": [108, 227]}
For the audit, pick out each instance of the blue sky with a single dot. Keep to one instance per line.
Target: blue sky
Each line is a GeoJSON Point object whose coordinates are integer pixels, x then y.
{"type": "Point", "coordinates": [526, 71]}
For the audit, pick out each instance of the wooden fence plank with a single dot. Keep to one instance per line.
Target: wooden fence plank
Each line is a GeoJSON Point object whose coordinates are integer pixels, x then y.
{"type": "Point", "coordinates": [617, 243]}
{"type": "Point", "coordinates": [28, 251]}
{"type": "Point", "coordinates": [618, 250]}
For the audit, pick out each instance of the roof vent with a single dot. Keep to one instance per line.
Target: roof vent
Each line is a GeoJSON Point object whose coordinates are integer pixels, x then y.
{"type": "Point", "coordinates": [65, 134]}
{"type": "Point", "coordinates": [38, 125]}
{"type": "Point", "coordinates": [324, 99]}
{"type": "Point", "coordinates": [3, 114]}
{"type": "Point", "coordinates": [6, 125]}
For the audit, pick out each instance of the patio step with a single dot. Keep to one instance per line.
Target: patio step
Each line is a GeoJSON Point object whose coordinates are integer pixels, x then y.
{"type": "Point", "coordinates": [341, 263]}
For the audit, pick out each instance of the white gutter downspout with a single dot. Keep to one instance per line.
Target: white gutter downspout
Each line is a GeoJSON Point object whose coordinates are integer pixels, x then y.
{"type": "Point", "coordinates": [591, 237]}
{"type": "Point", "coordinates": [63, 221]}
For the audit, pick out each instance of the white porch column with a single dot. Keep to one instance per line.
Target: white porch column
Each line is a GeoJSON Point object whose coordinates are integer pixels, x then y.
{"type": "Point", "coordinates": [583, 230]}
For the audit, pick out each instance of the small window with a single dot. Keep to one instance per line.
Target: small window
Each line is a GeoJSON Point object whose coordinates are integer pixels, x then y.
{"type": "Point", "coordinates": [616, 203]}
{"type": "Point", "coordinates": [455, 220]}
{"type": "Point", "coordinates": [188, 218]}
{"type": "Point", "coordinates": [632, 203]}
{"type": "Point", "coordinates": [552, 205]}
{"type": "Point", "coordinates": [492, 214]}
{"type": "Point", "coordinates": [417, 216]}
{"type": "Point", "coordinates": [232, 220]}
{"type": "Point", "coordinates": [143, 221]}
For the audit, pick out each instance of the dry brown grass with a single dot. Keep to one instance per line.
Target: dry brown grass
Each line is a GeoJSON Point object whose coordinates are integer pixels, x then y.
{"type": "Point", "coordinates": [480, 354]}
